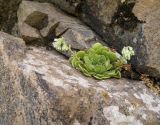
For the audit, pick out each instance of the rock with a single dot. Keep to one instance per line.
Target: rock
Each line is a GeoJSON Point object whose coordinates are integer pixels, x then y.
{"type": "Point", "coordinates": [49, 31]}
{"type": "Point", "coordinates": [149, 11]}
{"type": "Point", "coordinates": [40, 87]}
{"type": "Point", "coordinates": [15, 30]}
{"type": "Point", "coordinates": [119, 26]}
{"type": "Point", "coordinates": [11, 48]}
{"type": "Point", "coordinates": [8, 14]}
{"type": "Point", "coordinates": [102, 10]}
{"type": "Point", "coordinates": [29, 23]}
{"type": "Point", "coordinates": [113, 20]}
{"type": "Point", "coordinates": [29, 34]}
{"type": "Point", "coordinates": [32, 17]}
{"type": "Point", "coordinates": [74, 31]}
{"type": "Point", "coordinates": [8, 10]}
{"type": "Point", "coordinates": [66, 5]}
{"type": "Point", "coordinates": [121, 33]}
{"type": "Point", "coordinates": [37, 19]}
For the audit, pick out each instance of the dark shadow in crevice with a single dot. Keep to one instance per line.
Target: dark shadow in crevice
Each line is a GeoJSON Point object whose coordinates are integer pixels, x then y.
{"type": "Point", "coordinates": [125, 18]}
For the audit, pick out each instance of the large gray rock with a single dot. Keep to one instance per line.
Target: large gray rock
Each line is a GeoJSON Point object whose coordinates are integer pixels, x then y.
{"type": "Point", "coordinates": [38, 87]}
{"type": "Point", "coordinates": [8, 14]}
{"type": "Point", "coordinates": [100, 15]}
{"type": "Point", "coordinates": [74, 31]}
{"type": "Point", "coordinates": [103, 10]}
{"type": "Point", "coordinates": [149, 12]}
{"type": "Point", "coordinates": [37, 19]}
{"type": "Point", "coordinates": [32, 17]}
{"type": "Point", "coordinates": [29, 34]}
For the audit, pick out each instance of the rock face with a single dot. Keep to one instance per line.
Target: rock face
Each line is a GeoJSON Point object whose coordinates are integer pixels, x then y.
{"type": "Point", "coordinates": [34, 14]}
{"type": "Point", "coordinates": [103, 10]}
{"type": "Point", "coordinates": [119, 26]}
{"type": "Point", "coordinates": [39, 87]}
{"type": "Point", "coordinates": [149, 12]}
{"type": "Point", "coordinates": [8, 10]}
{"type": "Point", "coordinates": [29, 34]}
{"type": "Point", "coordinates": [113, 20]}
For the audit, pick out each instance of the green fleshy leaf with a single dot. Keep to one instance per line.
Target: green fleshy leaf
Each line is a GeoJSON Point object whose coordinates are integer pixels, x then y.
{"type": "Point", "coordinates": [98, 61]}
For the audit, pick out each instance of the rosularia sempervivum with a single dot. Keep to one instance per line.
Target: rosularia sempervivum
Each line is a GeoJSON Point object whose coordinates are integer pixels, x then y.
{"type": "Point", "coordinates": [98, 61]}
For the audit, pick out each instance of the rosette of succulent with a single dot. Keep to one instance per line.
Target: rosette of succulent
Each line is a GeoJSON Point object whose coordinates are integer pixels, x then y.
{"type": "Point", "coordinates": [98, 61]}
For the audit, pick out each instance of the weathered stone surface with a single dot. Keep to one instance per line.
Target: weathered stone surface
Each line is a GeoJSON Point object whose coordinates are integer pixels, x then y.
{"type": "Point", "coordinates": [74, 31]}
{"type": "Point", "coordinates": [149, 12]}
{"type": "Point", "coordinates": [11, 48]}
{"type": "Point", "coordinates": [66, 5]}
{"type": "Point", "coordinates": [29, 34]}
{"type": "Point", "coordinates": [32, 17]}
{"type": "Point", "coordinates": [107, 8]}
{"type": "Point", "coordinates": [99, 14]}
{"type": "Point", "coordinates": [37, 20]}
{"type": "Point", "coordinates": [8, 10]}
{"type": "Point", "coordinates": [120, 27]}
{"type": "Point", "coordinates": [103, 10]}
{"type": "Point", "coordinates": [43, 89]}
{"type": "Point", "coordinates": [49, 30]}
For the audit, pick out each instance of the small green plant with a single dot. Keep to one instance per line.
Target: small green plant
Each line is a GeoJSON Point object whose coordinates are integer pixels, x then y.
{"type": "Point", "coordinates": [98, 61]}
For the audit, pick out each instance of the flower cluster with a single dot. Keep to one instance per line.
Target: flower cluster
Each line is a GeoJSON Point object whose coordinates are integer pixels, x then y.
{"type": "Point", "coordinates": [60, 45]}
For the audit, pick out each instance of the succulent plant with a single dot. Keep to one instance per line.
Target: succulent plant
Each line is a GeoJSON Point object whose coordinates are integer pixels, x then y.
{"type": "Point", "coordinates": [98, 61]}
